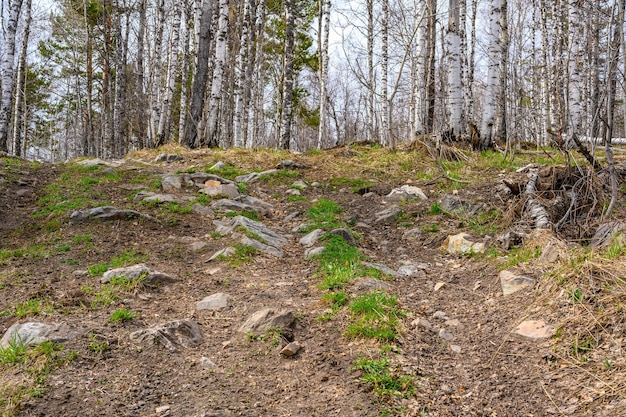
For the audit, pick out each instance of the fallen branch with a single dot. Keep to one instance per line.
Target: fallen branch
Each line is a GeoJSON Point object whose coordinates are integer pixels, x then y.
{"type": "Point", "coordinates": [537, 211]}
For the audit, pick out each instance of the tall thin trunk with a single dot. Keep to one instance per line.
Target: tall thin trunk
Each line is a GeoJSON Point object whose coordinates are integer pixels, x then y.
{"type": "Point", "coordinates": [119, 106]}
{"type": "Point", "coordinates": [371, 88]}
{"type": "Point", "coordinates": [288, 78]}
{"type": "Point", "coordinates": [420, 83]}
{"type": "Point", "coordinates": [221, 51]}
{"type": "Point", "coordinates": [430, 68]}
{"type": "Point", "coordinates": [154, 88]}
{"type": "Point", "coordinates": [192, 138]}
{"type": "Point", "coordinates": [240, 76]}
{"type": "Point", "coordinates": [455, 70]}
{"type": "Point", "coordinates": [491, 97]}
{"type": "Point", "coordinates": [384, 93]}
{"type": "Point", "coordinates": [256, 117]}
{"type": "Point", "coordinates": [106, 116]}
{"type": "Point", "coordinates": [141, 92]}
{"type": "Point", "coordinates": [573, 66]}
{"type": "Point", "coordinates": [184, 91]}
{"type": "Point", "coordinates": [323, 71]}
{"type": "Point", "coordinates": [21, 83]}
{"type": "Point", "coordinates": [501, 119]}
{"type": "Point", "coordinates": [7, 79]}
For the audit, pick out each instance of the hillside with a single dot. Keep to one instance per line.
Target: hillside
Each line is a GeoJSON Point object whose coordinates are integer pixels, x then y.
{"type": "Point", "coordinates": [241, 283]}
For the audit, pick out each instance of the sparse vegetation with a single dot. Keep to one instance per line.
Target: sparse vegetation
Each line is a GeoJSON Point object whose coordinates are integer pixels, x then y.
{"type": "Point", "coordinates": [385, 381]}
{"type": "Point", "coordinates": [127, 257]}
{"type": "Point", "coordinates": [121, 315]}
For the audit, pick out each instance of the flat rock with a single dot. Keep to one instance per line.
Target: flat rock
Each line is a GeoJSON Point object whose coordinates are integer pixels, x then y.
{"type": "Point", "coordinates": [137, 271]}
{"type": "Point", "coordinates": [291, 164]}
{"type": "Point", "coordinates": [292, 191]}
{"type": "Point", "coordinates": [172, 335]}
{"type": "Point", "coordinates": [440, 315]}
{"type": "Point", "coordinates": [445, 335]}
{"type": "Point", "coordinates": [164, 157]}
{"type": "Point", "coordinates": [198, 246]}
{"type": "Point", "coordinates": [217, 166]}
{"type": "Point", "coordinates": [371, 284]}
{"type": "Point", "coordinates": [171, 183]}
{"type": "Point", "coordinates": [255, 176]}
{"type": "Point", "coordinates": [228, 205]}
{"type": "Point", "coordinates": [253, 201]}
{"type": "Point", "coordinates": [161, 198]}
{"type": "Point", "coordinates": [460, 244]}
{"type": "Point", "coordinates": [453, 203]}
{"type": "Point", "coordinates": [207, 363]}
{"type": "Point", "coordinates": [311, 238]}
{"type": "Point", "coordinates": [226, 252]}
{"type": "Point", "coordinates": [214, 302]}
{"type": "Point", "coordinates": [199, 179]}
{"type": "Point", "coordinates": [388, 215]}
{"type": "Point", "coordinates": [406, 192]}
{"type": "Point", "coordinates": [291, 349]}
{"type": "Point", "coordinates": [310, 253]}
{"type": "Point", "coordinates": [382, 268]}
{"type": "Point", "coordinates": [534, 330]}
{"type": "Point", "coordinates": [439, 285]}
{"type": "Point", "coordinates": [261, 247]}
{"type": "Point", "coordinates": [345, 234]}
{"type": "Point", "coordinates": [265, 319]}
{"type": "Point", "coordinates": [410, 270]}
{"type": "Point", "coordinates": [300, 184]}
{"type": "Point", "coordinates": [202, 210]}
{"type": "Point", "coordinates": [88, 163]}
{"type": "Point", "coordinates": [229, 190]}
{"type": "Point", "coordinates": [34, 332]}
{"type": "Point", "coordinates": [107, 213]}
{"type": "Point", "coordinates": [511, 282]}
{"type": "Point", "coordinates": [422, 323]}
{"type": "Point", "coordinates": [257, 228]}
{"type": "Point", "coordinates": [414, 233]}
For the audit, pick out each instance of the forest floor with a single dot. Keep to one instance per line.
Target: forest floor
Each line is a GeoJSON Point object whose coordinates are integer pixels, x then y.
{"type": "Point", "coordinates": [396, 325]}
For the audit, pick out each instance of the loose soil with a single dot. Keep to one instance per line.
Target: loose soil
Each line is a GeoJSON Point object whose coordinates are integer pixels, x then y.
{"type": "Point", "coordinates": [490, 372]}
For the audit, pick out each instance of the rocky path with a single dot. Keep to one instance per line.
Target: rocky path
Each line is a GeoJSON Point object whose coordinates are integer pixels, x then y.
{"type": "Point", "coordinates": [213, 339]}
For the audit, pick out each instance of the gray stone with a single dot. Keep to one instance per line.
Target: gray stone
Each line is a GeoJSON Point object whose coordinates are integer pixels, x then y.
{"type": "Point", "coordinates": [88, 163]}
{"type": "Point", "coordinates": [265, 319]}
{"type": "Point", "coordinates": [411, 269]}
{"type": "Point", "coordinates": [253, 201]}
{"type": "Point", "coordinates": [229, 190]}
{"type": "Point", "coordinates": [226, 252]}
{"type": "Point", "coordinates": [130, 272]}
{"type": "Point", "coordinates": [440, 315]}
{"type": "Point", "coordinates": [255, 176]}
{"type": "Point", "coordinates": [292, 191]}
{"type": "Point", "coordinates": [217, 166]}
{"type": "Point", "coordinates": [414, 233]}
{"type": "Point", "coordinates": [164, 157]}
{"type": "Point", "coordinates": [207, 363]}
{"type": "Point", "coordinates": [382, 268]}
{"type": "Point", "coordinates": [406, 192]}
{"type": "Point", "coordinates": [312, 238]}
{"type": "Point", "coordinates": [202, 210]}
{"type": "Point", "coordinates": [257, 228]}
{"type": "Point", "coordinates": [549, 254]}
{"type": "Point", "coordinates": [172, 335]}
{"type": "Point", "coordinates": [388, 215]}
{"type": "Point", "coordinates": [371, 284]}
{"type": "Point", "coordinates": [198, 246]}
{"type": "Point", "coordinates": [291, 349]}
{"type": "Point", "coordinates": [346, 235]}
{"type": "Point", "coordinates": [291, 216]}
{"type": "Point", "coordinates": [313, 252]}
{"type": "Point", "coordinates": [261, 247]}
{"type": "Point", "coordinates": [605, 233]}
{"type": "Point", "coordinates": [171, 183]}
{"type": "Point", "coordinates": [456, 348]}
{"type": "Point", "coordinates": [300, 184]}
{"type": "Point", "coordinates": [163, 409]}
{"type": "Point", "coordinates": [227, 205]}
{"type": "Point", "coordinates": [422, 323]}
{"type": "Point", "coordinates": [534, 330]}
{"type": "Point", "coordinates": [215, 302]}
{"type": "Point", "coordinates": [107, 213]}
{"type": "Point", "coordinates": [452, 203]}
{"type": "Point", "coordinates": [446, 335]}
{"type": "Point", "coordinates": [290, 164]}
{"type": "Point", "coordinates": [34, 332]}
{"type": "Point", "coordinates": [161, 198]}
{"type": "Point", "coordinates": [199, 179]}
{"type": "Point", "coordinates": [511, 282]}
{"type": "Point", "coordinates": [460, 244]}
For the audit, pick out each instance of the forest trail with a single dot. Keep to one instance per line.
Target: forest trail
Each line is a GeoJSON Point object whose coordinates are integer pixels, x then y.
{"type": "Point", "coordinates": [445, 339]}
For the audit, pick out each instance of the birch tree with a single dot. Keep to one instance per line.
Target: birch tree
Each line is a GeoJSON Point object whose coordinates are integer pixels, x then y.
{"type": "Point", "coordinates": [7, 79]}
{"type": "Point", "coordinates": [324, 18]}
{"type": "Point", "coordinates": [456, 124]}
{"type": "Point", "coordinates": [240, 77]}
{"type": "Point", "coordinates": [20, 93]}
{"type": "Point", "coordinates": [284, 132]}
{"type": "Point", "coordinates": [221, 51]}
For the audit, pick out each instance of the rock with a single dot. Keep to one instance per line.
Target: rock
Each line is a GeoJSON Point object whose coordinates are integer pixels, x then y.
{"type": "Point", "coordinates": [162, 409]}
{"type": "Point", "coordinates": [202, 210]}
{"type": "Point", "coordinates": [422, 323]}
{"type": "Point", "coordinates": [227, 205]}
{"type": "Point", "coordinates": [199, 179]}
{"type": "Point", "coordinates": [217, 166]}
{"type": "Point", "coordinates": [265, 319]}
{"type": "Point", "coordinates": [311, 238]}
{"type": "Point", "coordinates": [174, 334]}
{"type": "Point", "coordinates": [291, 216]}
{"type": "Point", "coordinates": [88, 163]}
{"type": "Point", "coordinates": [534, 330]}
{"type": "Point", "coordinates": [414, 233]}
{"type": "Point", "coordinates": [382, 268]}
{"type": "Point", "coordinates": [228, 190]}
{"type": "Point", "coordinates": [171, 183]}
{"type": "Point", "coordinates": [253, 201]}
{"type": "Point", "coordinates": [291, 349]}
{"type": "Point", "coordinates": [387, 215]}
{"type": "Point", "coordinates": [439, 285]}
{"type": "Point", "coordinates": [511, 282]}
{"type": "Point", "coordinates": [258, 229]}
{"type": "Point", "coordinates": [214, 302]}
{"type": "Point", "coordinates": [453, 323]}
{"type": "Point", "coordinates": [135, 272]}
{"type": "Point", "coordinates": [460, 244]}
{"type": "Point", "coordinates": [300, 185]}
{"type": "Point", "coordinates": [169, 158]}
{"type": "Point", "coordinates": [255, 176]}
{"type": "Point", "coordinates": [446, 335]}
{"type": "Point", "coordinates": [292, 191]}
{"type": "Point", "coordinates": [313, 252]}
{"type": "Point", "coordinates": [412, 269]}
{"type": "Point", "coordinates": [440, 315]}
{"type": "Point", "coordinates": [346, 235]}
{"type": "Point", "coordinates": [107, 213]}
{"type": "Point", "coordinates": [511, 239]}
{"type": "Point", "coordinates": [452, 203]}
{"type": "Point", "coordinates": [261, 247]}
{"type": "Point", "coordinates": [455, 348]}
{"type": "Point", "coordinates": [198, 246]}
{"type": "Point", "coordinates": [289, 164]}
{"type": "Point", "coordinates": [550, 254]}
{"type": "Point", "coordinates": [34, 332]}
{"type": "Point", "coordinates": [207, 363]}
{"type": "Point", "coordinates": [406, 192]}
{"type": "Point", "coordinates": [371, 284]}
{"type": "Point", "coordinates": [161, 198]}
{"type": "Point", "coordinates": [226, 252]}
{"type": "Point", "coordinates": [80, 273]}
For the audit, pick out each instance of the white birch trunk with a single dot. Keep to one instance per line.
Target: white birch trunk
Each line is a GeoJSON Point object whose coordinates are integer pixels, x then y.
{"type": "Point", "coordinates": [155, 72]}
{"type": "Point", "coordinates": [256, 126]}
{"type": "Point", "coordinates": [573, 67]}
{"type": "Point", "coordinates": [6, 77]}
{"type": "Point", "coordinates": [240, 77]}
{"type": "Point", "coordinates": [325, 18]}
{"type": "Point", "coordinates": [455, 71]}
{"type": "Point", "coordinates": [371, 116]}
{"type": "Point", "coordinates": [384, 94]}
{"type": "Point", "coordinates": [21, 83]}
{"type": "Point", "coordinates": [184, 92]}
{"type": "Point", "coordinates": [288, 78]}
{"type": "Point", "coordinates": [493, 76]}
{"type": "Point", "coordinates": [221, 50]}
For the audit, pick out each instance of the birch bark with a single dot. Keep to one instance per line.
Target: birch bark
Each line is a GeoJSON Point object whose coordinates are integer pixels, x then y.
{"type": "Point", "coordinates": [21, 83]}
{"type": "Point", "coordinates": [288, 80]}
{"type": "Point", "coordinates": [240, 77]}
{"type": "Point", "coordinates": [455, 71]}
{"type": "Point", "coordinates": [221, 51]}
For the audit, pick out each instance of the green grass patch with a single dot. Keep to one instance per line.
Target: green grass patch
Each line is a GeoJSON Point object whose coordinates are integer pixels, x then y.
{"type": "Point", "coordinates": [355, 184]}
{"type": "Point", "coordinates": [336, 300]}
{"type": "Point", "coordinates": [375, 316]}
{"type": "Point", "coordinates": [128, 257]}
{"type": "Point", "coordinates": [121, 315]}
{"type": "Point", "coordinates": [517, 256]}
{"type": "Point", "coordinates": [296, 198]}
{"type": "Point", "coordinates": [323, 214]}
{"type": "Point", "coordinates": [14, 353]}
{"type": "Point", "coordinates": [243, 254]}
{"type": "Point", "coordinates": [228, 171]}
{"type": "Point", "coordinates": [386, 382]}
{"type": "Point", "coordinates": [252, 215]}
{"type": "Point", "coordinates": [175, 208]}
{"type": "Point", "coordinates": [32, 307]}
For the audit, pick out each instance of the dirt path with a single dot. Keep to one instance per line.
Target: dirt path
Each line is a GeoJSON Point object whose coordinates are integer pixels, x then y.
{"type": "Point", "coordinates": [475, 367]}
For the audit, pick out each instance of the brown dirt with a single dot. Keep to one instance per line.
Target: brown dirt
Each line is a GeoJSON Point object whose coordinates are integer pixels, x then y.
{"type": "Point", "coordinates": [496, 373]}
